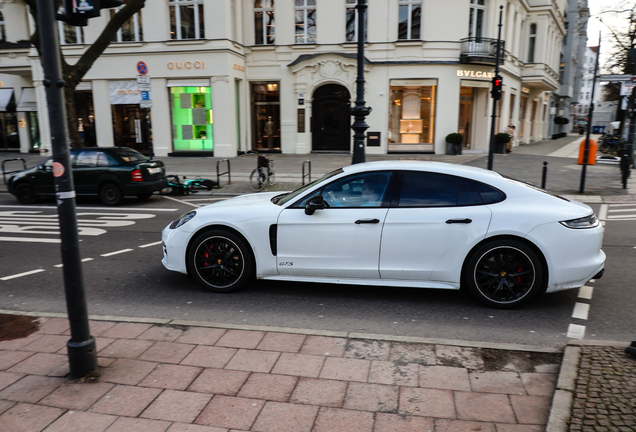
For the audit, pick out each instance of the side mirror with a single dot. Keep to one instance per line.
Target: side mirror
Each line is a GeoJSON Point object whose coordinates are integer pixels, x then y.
{"type": "Point", "coordinates": [313, 204]}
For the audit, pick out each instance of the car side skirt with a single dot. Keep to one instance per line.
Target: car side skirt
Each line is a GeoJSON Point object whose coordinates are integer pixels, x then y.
{"type": "Point", "coordinates": [368, 282]}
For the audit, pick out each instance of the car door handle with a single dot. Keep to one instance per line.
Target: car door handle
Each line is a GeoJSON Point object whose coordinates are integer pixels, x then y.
{"type": "Point", "coordinates": [367, 221]}
{"type": "Point", "coordinates": [464, 221]}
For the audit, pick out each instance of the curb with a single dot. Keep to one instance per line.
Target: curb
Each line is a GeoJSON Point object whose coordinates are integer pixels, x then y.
{"type": "Point", "coordinates": [292, 330]}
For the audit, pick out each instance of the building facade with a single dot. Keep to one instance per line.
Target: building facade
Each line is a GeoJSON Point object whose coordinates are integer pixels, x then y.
{"type": "Point", "coordinates": [229, 76]}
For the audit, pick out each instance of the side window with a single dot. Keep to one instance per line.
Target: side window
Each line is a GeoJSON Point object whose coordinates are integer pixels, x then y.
{"type": "Point", "coordinates": [103, 159]}
{"type": "Point", "coordinates": [360, 190]}
{"type": "Point", "coordinates": [85, 159]}
{"type": "Point", "coordinates": [423, 189]}
{"type": "Point", "coordinates": [490, 195]}
{"type": "Point", "coordinates": [469, 193]}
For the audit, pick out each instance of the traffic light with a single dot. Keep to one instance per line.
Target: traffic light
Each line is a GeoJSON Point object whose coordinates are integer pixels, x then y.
{"type": "Point", "coordinates": [497, 87]}
{"type": "Point", "coordinates": [77, 12]}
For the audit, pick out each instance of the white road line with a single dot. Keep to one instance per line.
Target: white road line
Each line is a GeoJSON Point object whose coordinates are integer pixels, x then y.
{"type": "Point", "coordinates": [182, 202]}
{"type": "Point", "coordinates": [30, 239]}
{"type": "Point", "coordinates": [22, 274]}
{"type": "Point", "coordinates": [586, 292]}
{"type": "Point", "coordinates": [581, 311]}
{"type": "Point", "coordinates": [150, 244]}
{"type": "Point", "coordinates": [83, 260]}
{"type": "Point", "coordinates": [623, 210]}
{"type": "Point", "coordinates": [602, 213]}
{"type": "Point", "coordinates": [576, 331]}
{"type": "Point", "coordinates": [116, 252]}
{"type": "Point", "coordinates": [96, 208]}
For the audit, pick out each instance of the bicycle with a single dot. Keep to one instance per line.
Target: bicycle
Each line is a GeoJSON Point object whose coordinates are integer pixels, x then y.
{"type": "Point", "coordinates": [263, 175]}
{"type": "Point", "coordinates": [611, 144]}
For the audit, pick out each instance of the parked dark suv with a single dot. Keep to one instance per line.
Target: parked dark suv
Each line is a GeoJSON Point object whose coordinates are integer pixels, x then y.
{"type": "Point", "coordinates": [109, 173]}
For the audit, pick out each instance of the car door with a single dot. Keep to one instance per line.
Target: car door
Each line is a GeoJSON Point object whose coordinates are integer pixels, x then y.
{"type": "Point", "coordinates": [341, 240]}
{"type": "Point", "coordinates": [43, 178]}
{"type": "Point", "coordinates": [85, 171]}
{"type": "Point", "coordinates": [435, 223]}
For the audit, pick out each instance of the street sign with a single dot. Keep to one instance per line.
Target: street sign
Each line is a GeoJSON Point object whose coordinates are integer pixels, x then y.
{"type": "Point", "coordinates": [143, 79]}
{"type": "Point", "coordinates": [145, 95]}
{"type": "Point", "coordinates": [627, 87]}
{"type": "Point", "coordinates": [142, 68]}
{"type": "Point", "coordinates": [145, 104]}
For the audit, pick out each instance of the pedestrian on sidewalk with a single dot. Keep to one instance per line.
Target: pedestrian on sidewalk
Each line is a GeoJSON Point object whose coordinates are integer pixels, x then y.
{"type": "Point", "coordinates": [510, 130]}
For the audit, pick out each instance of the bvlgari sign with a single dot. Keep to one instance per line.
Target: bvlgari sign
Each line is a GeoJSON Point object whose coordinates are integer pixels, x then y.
{"type": "Point", "coordinates": [475, 74]}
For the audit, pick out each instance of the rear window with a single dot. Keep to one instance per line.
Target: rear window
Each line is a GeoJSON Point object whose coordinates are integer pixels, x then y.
{"type": "Point", "coordinates": [130, 155]}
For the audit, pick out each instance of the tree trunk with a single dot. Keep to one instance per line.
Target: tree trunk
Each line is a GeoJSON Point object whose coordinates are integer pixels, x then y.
{"type": "Point", "coordinates": [75, 140]}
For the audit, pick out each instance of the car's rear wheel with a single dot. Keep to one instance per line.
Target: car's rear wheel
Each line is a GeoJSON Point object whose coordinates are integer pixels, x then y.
{"type": "Point", "coordinates": [504, 273]}
{"type": "Point", "coordinates": [110, 194]}
{"type": "Point", "coordinates": [25, 193]}
{"type": "Point", "coordinates": [220, 260]}
{"type": "Point", "coordinates": [144, 196]}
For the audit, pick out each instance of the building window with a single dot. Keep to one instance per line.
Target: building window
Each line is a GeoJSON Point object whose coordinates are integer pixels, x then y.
{"type": "Point", "coordinates": [532, 42]}
{"type": "Point", "coordinates": [409, 19]}
{"type": "Point", "coordinates": [266, 116]}
{"type": "Point", "coordinates": [264, 22]}
{"type": "Point", "coordinates": [69, 34]}
{"type": "Point", "coordinates": [131, 30]}
{"type": "Point", "coordinates": [412, 114]}
{"type": "Point", "coordinates": [3, 36]}
{"type": "Point", "coordinates": [186, 19]}
{"type": "Point", "coordinates": [477, 13]}
{"type": "Point", "coordinates": [192, 120]}
{"type": "Point", "coordinates": [305, 21]}
{"type": "Point", "coordinates": [352, 22]}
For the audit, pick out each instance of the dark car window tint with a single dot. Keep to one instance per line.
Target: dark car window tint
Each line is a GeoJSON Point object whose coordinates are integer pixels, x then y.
{"type": "Point", "coordinates": [359, 190]}
{"type": "Point", "coordinates": [469, 193]}
{"type": "Point", "coordinates": [85, 159]}
{"type": "Point", "coordinates": [103, 159]}
{"type": "Point", "coordinates": [130, 155]}
{"type": "Point", "coordinates": [490, 195]}
{"type": "Point", "coordinates": [423, 189]}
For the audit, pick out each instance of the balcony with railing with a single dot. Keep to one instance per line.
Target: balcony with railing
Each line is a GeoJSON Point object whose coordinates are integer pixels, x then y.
{"type": "Point", "coordinates": [480, 50]}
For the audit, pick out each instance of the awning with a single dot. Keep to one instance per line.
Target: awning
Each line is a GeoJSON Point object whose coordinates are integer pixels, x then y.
{"type": "Point", "coordinates": [27, 100]}
{"type": "Point", "coordinates": [6, 100]}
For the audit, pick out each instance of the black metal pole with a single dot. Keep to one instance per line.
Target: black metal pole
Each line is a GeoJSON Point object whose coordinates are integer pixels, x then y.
{"type": "Point", "coordinates": [82, 355]}
{"type": "Point", "coordinates": [151, 150]}
{"type": "Point", "coordinates": [586, 148]}
{"type": "Point", "coordinates": [544, 175]}
{"type": "Point", "coordinates": [491, 147]}
{"type": "Point", "coordinates": [360, 111]}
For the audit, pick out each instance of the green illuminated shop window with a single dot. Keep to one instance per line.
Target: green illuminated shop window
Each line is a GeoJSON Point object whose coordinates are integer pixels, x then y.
{"type": "Point", "coordinates": [192, 121]}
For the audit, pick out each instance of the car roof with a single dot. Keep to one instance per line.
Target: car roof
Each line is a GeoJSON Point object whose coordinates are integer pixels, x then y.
{"type": "Point", "coordinates": [474, 173]}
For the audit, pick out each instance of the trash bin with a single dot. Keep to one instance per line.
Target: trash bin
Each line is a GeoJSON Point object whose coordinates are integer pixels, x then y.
{"type": "Point", "coordinates": [591, 156]}
{"type": "Point", "coordinates": [598, 129]}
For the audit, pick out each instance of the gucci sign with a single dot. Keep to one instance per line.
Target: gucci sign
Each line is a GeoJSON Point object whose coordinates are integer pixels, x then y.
{"type": "Point", "coordinates": [186, 65]}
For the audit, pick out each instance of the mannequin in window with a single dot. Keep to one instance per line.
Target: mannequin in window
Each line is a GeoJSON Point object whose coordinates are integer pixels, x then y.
{"type": "Point", "coordinates": [269, 130]}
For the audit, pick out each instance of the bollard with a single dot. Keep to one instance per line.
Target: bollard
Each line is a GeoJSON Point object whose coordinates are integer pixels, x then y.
{"type": "Point", "coordinates": [625, 164]}
{"type": "Point", "coordinates": [218, 175]}
{"type": "Point", "coordinates": [308, 163]}
{"type": "Point", "coordinates": [545, 175]}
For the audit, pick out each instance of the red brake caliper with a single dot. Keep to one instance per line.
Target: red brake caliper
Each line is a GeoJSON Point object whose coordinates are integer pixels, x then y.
{"type": "Point", "coordinates": [520, 269]}
{"type": "Point", "coordinates": [206, 255]}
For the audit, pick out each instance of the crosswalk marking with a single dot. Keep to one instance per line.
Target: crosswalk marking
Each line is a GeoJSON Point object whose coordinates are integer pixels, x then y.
{"type": "Point", "coordinates": [617, 212]}
{"type": "Point", "coordinates": [586, 292]}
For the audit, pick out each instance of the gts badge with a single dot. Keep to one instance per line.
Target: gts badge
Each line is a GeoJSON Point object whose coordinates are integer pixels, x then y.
{"type": "Point", "coordinates": [285, 264]}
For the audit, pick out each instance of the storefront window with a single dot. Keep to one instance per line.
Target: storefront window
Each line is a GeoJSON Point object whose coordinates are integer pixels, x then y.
{"type": "Point", "coordinates": [466, 114]}
{"type": "Point", "coordinates": [192, 120]}
{"type": "Point", "coordinates": [34, 130]}
{"type": "Point", "coordinates": [266, 116]}
{"type": "Point", "coordinates": [412, 114]}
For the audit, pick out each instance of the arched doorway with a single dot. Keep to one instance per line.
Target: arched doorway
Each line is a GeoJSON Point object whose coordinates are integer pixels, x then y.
{"type": "Point", "coordinates": [331, 121]}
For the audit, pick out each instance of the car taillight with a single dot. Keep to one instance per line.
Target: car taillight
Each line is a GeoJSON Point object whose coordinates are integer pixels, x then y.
{"type": "Point", "coordinates": [136, 175]}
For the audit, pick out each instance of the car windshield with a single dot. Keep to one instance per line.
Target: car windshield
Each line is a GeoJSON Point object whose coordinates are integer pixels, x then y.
{"type": "Point", "coordinates": [130, 155]}
{"type": "Point", "coordinates": [281, 200]}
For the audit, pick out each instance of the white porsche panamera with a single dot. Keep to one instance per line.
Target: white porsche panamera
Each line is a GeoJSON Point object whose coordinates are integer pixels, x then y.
{"type": "Point", "coordinates": [395, 223]}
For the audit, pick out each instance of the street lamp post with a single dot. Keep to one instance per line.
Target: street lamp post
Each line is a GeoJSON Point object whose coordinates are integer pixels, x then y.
{"type": "Point", "coordinates": [82, 353]}
{"type": "Point", "coordinates": [491, 147]}
{"type": "Point", "coordinates": [586, 148]}
{"type": "Point", "coordinates": [360, 111]}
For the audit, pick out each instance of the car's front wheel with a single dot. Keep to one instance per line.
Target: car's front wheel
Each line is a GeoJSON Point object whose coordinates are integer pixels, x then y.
{"type": "Point", "coordinates": [110, 194]}
{"type": "Point", "coordinates": [26, 194]}
{"type": "Point", "coordinates": [220, 260]}
{"type": "Point", "coordinates": [504, 273]}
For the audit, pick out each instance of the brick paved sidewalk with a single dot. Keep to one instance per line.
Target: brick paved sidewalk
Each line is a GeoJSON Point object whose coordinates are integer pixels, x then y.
{"type": "Point", "coordinates": [200, 379]}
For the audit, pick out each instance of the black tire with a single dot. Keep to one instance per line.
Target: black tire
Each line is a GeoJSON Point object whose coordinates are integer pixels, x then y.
{"type": "Point", "coordinates": [604, 148]}
{"type": "Point", "coordinates": [111, 195]}
{"type": "Point", "coordinates": [220, 260]}
{"type": "Point", "coordinates": [504, 274]}
{"type": "Point", "coordinates": [258, 180]}
{"type": "Point", "coordinates": [144, 196]}
{"type": "Point", "coordinates": [25, 193]}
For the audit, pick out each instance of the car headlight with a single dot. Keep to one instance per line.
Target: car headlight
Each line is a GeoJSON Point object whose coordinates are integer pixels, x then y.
{"type": "Point", "coordinates": [590, 221]}
{"type": "Point", "coordinates": [182, 219]}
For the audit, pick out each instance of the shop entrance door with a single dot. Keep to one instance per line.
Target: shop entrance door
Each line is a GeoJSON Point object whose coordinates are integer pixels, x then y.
{"type": "Point", "coordinates": [466, 114]}
{"type": "Point", "coordinates": [331, 121]}
{"type": "Point", "coordinates": [130, 128]}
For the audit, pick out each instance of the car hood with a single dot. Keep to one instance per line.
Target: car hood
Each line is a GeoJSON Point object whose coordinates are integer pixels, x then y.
{"type": "Point", "coordinates": [244, 200]}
